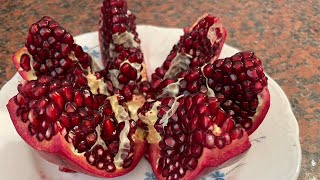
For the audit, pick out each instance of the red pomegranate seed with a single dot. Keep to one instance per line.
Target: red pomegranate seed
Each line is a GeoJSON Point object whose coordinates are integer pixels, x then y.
{"type": "Point", "coordinates": [25, 62]}
{"type": "Point", "coordinates": [52, 112]}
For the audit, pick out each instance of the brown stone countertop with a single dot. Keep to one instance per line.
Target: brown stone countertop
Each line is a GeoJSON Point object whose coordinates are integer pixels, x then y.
{"type": "Point", "coordinates": [285, 34]}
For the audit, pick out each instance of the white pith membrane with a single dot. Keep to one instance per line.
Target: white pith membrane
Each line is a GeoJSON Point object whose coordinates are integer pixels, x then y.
{"type": "Point", "coordinates": [212, 36]}
{"type": "Point", "coordinates": [150, 118]}
{"type": "Point", "coordinates": [124, 143]}
{"type": "Point", "coordinates": [122, 115]}
{"type": "Point", "coordinates": [165, 118]}
{"type": "Point", "coordinates": [171, 90]}
{"type": "Point", "coordinates": [126, 39]}
{"type": "Point", "coordinates": [113, 76]}
{"type": "Point", "coordinates": [133, 105]}
{"type": "Point", "coordinates": [97, 86]}
{"type": "Point", "coordinates": [179, 63]}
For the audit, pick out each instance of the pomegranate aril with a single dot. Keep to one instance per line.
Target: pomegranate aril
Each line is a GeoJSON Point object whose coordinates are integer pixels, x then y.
{"type": "Point", "coordinates": [52, 112]}
{"type": "Point", "coordinates": [220, 142]}
{"type": "Point", "coordinates": [110, 167]}
{"type": "Point", "coordinates": [246, 123]}
{"type": "Point", "coordinates": [191, 163]}
{"type": "Point", "coordinates": [78, 99]}
{"type": "Point", "coordinates": [170, 143]}
{"type": "Point", "coordinates": [196, 151]}
{"type": "Point", "coordinates": [25, 62]}
{"type": "Point", "coordinates": [108, 129]}
{"type": "Point", "coordinates": [209, 140]}
{"type": "Point", "coordinates": [127, 163]}
{"type": "Point", "coordinates": [205, 122]}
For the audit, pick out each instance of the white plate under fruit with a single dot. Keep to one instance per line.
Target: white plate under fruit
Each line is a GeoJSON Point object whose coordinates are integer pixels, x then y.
{"type": "Point", "coordinates": [275, 151]}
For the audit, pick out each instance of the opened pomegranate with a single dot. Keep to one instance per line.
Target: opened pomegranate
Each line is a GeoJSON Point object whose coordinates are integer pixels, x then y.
{"type": "Point", "coordinates": [196, 112]}
{"type": "Point", "coordinates": [68, 113]}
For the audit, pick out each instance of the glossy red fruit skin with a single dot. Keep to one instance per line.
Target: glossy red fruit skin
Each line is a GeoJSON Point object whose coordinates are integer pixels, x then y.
{"type": "Point", "coordinates": [210, 159]}
{"type": "Point", "coordinates": [59, 151]}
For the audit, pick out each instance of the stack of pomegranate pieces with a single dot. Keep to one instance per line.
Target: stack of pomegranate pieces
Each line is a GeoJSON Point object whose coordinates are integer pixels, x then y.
{"type": "Point", "coordinates": [196, 112]}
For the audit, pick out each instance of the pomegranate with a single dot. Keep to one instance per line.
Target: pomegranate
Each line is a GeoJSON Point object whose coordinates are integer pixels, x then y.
{"type": "Point", "coordinates": [67, 112]}
{"type": "Point", "coordinates": [196, 113]}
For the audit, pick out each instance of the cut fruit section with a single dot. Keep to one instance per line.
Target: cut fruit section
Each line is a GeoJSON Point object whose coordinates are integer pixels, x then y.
{"type": "Point", "coordinates": [238, 83]}
{"type": "Point", "coordinates": [190, 135]}
{"type": "Point", "coordinates": [204, 38]}
{"type": "Point", "coordinates": [72, 118]}
{"type": "Point", "coordinates": [120, 47]}
{"type": "Point", "coordinates": [50, 50]}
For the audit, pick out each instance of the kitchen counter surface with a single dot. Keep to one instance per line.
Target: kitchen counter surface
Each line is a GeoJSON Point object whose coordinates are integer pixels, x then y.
{"type": "Point", "coordinates": [285, 34]}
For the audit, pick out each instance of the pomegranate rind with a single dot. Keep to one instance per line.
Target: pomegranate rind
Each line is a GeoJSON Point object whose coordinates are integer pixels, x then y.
{"type": "Point", "coordinates": [60, 152]}
{"type": "Point", "coordinates": [262, 110]}
{"type": "Point", "coordinates": [27, 75]}
{"type": "Point", "coordinates": [210, 159]}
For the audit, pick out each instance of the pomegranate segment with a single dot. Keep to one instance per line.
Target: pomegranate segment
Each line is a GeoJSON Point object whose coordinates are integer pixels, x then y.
{"type": "Point", "coordinates": [203, 39]}
{"type": "Point", "coordinates": [190, 135]}
{"type": "Point", "coordinates": [120, 47]}
{"type": "Point", "coordinates": [238, 83]}
{"type": "Point", "coordinates": [50, 50]}
{"type": "Point", "coordinates": [72, 118]}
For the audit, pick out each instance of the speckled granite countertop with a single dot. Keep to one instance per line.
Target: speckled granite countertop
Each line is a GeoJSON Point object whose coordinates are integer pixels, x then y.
{"type": "Point", "coordinates": [284, 33]}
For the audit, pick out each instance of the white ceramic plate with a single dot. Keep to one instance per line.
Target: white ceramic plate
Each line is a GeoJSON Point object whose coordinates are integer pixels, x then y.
{"type": "Point", "coordinates": [275, 151]}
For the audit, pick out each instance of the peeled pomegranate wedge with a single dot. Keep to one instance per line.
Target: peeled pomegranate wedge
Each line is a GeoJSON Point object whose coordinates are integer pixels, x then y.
{"type": "Point", "coordinates": [190, 135]}
{"type": "Point", "coordinates": [238, 82]}
{"type": "Point", "coordinates": [120, 47]}
{"type": "Point", "coordinates": [203, 39]}
{"type": "Point", "coordinates": [66, 112]}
